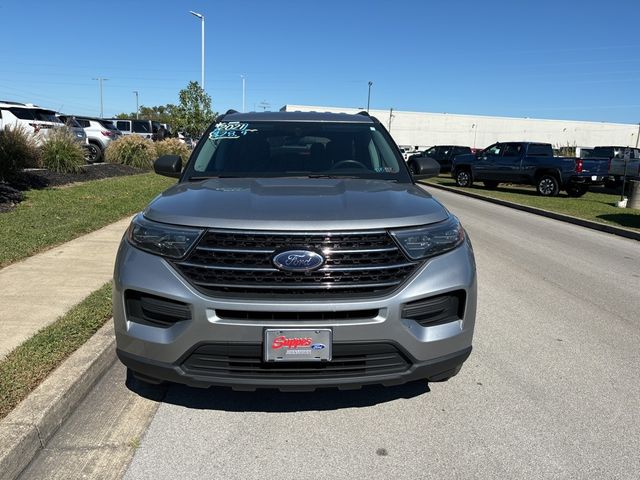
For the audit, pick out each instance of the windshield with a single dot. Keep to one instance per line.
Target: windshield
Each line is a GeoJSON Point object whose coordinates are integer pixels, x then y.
{"type": "Point", "coordinates": [290, 149]}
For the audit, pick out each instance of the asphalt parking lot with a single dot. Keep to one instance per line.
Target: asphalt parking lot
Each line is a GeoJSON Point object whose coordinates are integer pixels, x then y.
{"type": "Point", "coordinates": [552, 389]}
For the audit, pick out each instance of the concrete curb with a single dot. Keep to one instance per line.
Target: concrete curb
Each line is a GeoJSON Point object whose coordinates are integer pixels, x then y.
{"type": "Point", "coordinates": [622, 232]}
{"type": "Point", "coordinates": [29, 427]}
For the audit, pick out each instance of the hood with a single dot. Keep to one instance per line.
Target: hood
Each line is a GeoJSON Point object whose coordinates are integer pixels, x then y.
{"type": "Point", "coordinates": [295, 204]}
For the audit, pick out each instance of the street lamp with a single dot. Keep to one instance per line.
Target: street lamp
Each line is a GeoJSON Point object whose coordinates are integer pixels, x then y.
{"type": "Point", "coordinates": [137, 107]}
{"type": "Point", "coordinates": [369, 95]}
{"type": "Point", "coordinates": [100, 80]}
{"type": "Point", "coordinates": [243, 92]}
{"type": "Point", "coordinates": [201, 17]}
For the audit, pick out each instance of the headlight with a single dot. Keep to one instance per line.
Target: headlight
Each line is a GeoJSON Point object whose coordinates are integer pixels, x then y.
{"type": "Point", "coordinates": [431, 240]}
{"type": "Point", "coordinates": [162, 239]}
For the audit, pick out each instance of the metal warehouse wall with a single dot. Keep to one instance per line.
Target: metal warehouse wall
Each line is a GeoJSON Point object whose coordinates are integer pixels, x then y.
{"type": "Point", "coordinates": [426, 129]}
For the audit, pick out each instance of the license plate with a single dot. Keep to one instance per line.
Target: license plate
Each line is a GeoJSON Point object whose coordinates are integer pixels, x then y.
{"type": "Point", "coordinates": [297, 345]}
{"type": "Point", "coordinates": [594, 177]}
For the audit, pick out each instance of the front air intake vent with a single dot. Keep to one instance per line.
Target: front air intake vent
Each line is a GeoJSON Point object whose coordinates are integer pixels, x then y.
{"type": "Point", "coordinates": [436, 310]}
{"type": "Point", "coordinates": [153, 310]}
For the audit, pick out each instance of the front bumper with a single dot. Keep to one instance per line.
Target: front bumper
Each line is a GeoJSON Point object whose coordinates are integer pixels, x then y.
{"type": "Point", "coordinates": [432, 352]}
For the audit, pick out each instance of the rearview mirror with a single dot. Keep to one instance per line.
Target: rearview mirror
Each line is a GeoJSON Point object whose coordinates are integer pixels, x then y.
{"type": "Point", "coordinates": [168, 165]}
{"type": "Point", "coordinates": [424, 167]}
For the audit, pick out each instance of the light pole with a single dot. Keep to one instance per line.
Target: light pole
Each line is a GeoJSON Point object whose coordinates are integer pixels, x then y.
{"type": "Point", "coordinates": [369, 96]}
{"type": "Point", "coordinates": [137, 107]}
{"type": "Point", "coordinates": [100, 80]}
{"type": "Point", "coordinates": [201, 17]}
{"type": "Point", "coordinates": [243, 92]}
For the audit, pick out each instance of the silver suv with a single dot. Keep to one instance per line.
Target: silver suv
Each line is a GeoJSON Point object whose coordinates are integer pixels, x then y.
{"type": "Point", "coordinates": [294, 252]}
{"type": "Point", "coordinates": [100, 133]}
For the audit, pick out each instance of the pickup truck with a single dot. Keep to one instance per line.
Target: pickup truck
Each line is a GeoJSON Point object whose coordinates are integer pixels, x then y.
{"type": "Point", "coordinates": [622, 161]}
{"type": "Point", "coordinates": [532, 164]}
{"type": "Point", "coordinates": [443, 154]}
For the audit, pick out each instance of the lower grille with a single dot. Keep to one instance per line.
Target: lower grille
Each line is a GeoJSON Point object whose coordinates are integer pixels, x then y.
{"type": "Point", "coordinates": [296, 316]}
{"type": "Point", "coordinates": [245, 361]}
{"type": "Point", "coordinates": [240, 263]}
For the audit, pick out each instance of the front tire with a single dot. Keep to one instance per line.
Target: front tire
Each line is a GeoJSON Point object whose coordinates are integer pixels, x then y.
{"type": "Point", "coordinates": [576, 191]}
{"type": "Point", "coordinates": [463, 178]}
{"type": "Point", "coordinates": [94, 153]}
{"type": "Point", "coordinates": [548, 186]}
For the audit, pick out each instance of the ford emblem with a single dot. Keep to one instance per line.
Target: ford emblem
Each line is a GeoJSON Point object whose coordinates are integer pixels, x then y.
{"type": "Point", "coordinates": [298, 260]}
{"type": "Point", "coordinates": [318, 346]}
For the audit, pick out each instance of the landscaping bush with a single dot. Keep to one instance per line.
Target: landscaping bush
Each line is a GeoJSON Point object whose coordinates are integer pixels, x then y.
{"type": "Point", "coordinates": [173, 146]}
{"type": "Point", "coordinates": [132, 150]}
{"type": "Point", "coordinates": [61, 152]}
{"type": "Point", "coordinates": [18, 150]}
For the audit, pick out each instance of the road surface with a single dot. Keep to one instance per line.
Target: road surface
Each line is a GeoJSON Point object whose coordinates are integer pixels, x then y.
{"type": "Point", "coordinates": [551, 390]}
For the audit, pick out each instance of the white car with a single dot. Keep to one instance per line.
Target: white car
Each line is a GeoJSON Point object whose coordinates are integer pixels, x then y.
{"type": "Point", "coordinates": [35, 120]}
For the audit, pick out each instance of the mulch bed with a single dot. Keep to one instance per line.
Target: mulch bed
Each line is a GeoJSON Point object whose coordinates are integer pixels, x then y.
{"type": "Point", "coordinates": [11, 191]}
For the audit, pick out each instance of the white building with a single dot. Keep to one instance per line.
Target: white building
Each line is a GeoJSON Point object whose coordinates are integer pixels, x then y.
{"type": "Point", "coordinates": [426, 129]}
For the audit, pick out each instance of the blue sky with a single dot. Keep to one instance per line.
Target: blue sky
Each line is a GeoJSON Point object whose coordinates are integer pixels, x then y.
{"type": "Point", "coordinates": [547, 59]}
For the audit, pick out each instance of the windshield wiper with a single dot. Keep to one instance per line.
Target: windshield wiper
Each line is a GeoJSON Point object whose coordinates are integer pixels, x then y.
{"type": "Point", "coordinates": [324, 175]}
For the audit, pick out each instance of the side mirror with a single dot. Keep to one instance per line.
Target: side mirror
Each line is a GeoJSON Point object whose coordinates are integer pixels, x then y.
{"type": "Point", "coordinates": [424, 167]}
{"type": "Point", "coordinates": [168, 165]}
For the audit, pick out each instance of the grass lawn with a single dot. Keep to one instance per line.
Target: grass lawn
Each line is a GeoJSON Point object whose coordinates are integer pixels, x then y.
{"type": "Point", "coordinates": [26, 366]}
{"type": "Point", "coordinates": [595, 205]}
{"type": "Point", "coordinates": [56, 215]}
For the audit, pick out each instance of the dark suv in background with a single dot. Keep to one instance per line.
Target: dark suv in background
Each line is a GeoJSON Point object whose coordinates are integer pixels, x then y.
{"type": "Point", "coordinates": [443, 154]}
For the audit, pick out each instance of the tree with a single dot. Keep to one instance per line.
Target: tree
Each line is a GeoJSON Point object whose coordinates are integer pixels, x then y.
{"type": "Point", "coordinates": [193, 114]}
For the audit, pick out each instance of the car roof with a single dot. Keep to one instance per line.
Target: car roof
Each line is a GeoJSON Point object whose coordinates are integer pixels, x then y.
{"type": "Point", "coordinates": [298, 117]}
{"type": "Point", "coordinates": [8, 104]}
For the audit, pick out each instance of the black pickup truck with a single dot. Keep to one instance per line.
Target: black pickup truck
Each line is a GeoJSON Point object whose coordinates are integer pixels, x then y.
{"type": "Point", "coordinates": [531, 164]}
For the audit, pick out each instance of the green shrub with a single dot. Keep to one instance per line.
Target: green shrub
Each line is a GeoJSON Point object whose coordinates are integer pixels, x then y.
{"type": "Point", "coordinates": [173, 146]}
{"type": "Point", "coordinates": [132, 150]}
{"type": "Point", "coordinates": [61, 151]}
{"type": "Point", "coordinates": [18, 150]}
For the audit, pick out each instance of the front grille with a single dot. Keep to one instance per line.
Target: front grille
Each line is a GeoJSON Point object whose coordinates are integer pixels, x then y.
{"type": "Point", "coordinates": [245, 361]}
{"type": "Point", "coordinates": [296, 316]}
{"type": "Point", "coordinates": [236, 262]}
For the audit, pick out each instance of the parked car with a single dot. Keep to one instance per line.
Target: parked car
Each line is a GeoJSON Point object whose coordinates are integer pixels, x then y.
{"type": "Point", "coordinates": [143, 128]}
{"type": "Point", "coordinates": [100, 133]}
{"type": "Point", "coordinates": [322, 265]}
{"type": "Point", "coordinates": [443, 154]}
{"type": "Point", "coordinates": [532, 164]}
{"type": "Point", "coordinates": [75, 128]}
{"type": "Point", "coordinates": [621, 159]}
{"type": "Point", "coordinates": [186, 139]}
{"type": "Point", "coordinates": [34, 119]}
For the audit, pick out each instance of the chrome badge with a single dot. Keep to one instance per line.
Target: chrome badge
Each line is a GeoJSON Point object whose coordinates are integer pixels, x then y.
{"type": "Point", "coordinates": [298, 260]}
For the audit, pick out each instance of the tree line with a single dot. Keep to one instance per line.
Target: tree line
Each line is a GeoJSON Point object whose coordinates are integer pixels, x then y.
{"type": "Point", "coordinates": [191, 115]}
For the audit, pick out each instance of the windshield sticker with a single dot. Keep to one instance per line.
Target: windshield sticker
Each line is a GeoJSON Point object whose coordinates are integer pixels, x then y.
{"type": "Point", "coordinates": [230, 130]}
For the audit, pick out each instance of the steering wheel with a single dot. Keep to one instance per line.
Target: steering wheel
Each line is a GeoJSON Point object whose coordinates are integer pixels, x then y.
{"type": "Point", "coordinates": [349, 163]}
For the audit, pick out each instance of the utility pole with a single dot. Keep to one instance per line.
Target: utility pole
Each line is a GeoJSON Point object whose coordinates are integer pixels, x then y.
{"type": "Point", "coordinates": [137, 107]}
{"type": "Point", "coordinates": [638, 135]}
{"type": "Point", "coordinates": [390, 117]}
{"type": "Point", "coordinates": [201, 17]}
{"type": "Point", "coordinates": [264, 104]}
{"type": "Point", "coordinates": [243, 92]}
{"type": "Point", "coordinates": [369, 96]}
{"type": "Point", "coordinates": [100, 80]}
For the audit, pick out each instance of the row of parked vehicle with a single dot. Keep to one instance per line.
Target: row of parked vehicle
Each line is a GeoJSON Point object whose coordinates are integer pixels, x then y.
{"type": "Point", "coordinates": [534, 163]}
{"type": "Point", "coordinates": [94, 133]}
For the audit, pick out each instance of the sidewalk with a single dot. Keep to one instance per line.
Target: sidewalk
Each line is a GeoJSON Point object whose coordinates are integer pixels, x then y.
{"type": "Point", "coordinates": [36, 291]}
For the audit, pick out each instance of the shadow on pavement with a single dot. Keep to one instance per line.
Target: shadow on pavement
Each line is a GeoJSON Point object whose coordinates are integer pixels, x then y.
{"type": "Point", "coordinates": [219, 398]}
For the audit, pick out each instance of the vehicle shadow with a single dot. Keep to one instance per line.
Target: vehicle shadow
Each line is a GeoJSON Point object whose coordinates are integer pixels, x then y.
{"type": "Point", "coordinates": [274, 401]}
{"type": "Point", "coordinates": [628, 220]}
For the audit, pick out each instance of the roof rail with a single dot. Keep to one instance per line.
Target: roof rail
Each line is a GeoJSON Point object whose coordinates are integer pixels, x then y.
{"type": "Point", "coordinates": [364, 112]}
{"type": "Point", "coordinates": [230, 111]}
